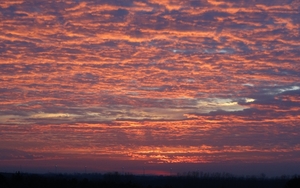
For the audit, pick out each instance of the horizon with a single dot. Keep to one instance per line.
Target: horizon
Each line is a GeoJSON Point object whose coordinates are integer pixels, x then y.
{"type": "Point", "coordinates": [142, 172]}
{"type": "Point", "coordinates": [116, 179]}
{"type": "Point", "coordinates": [191, 174]}
{"type": "Point", "coordinates": [236, 169]}
{"type": "Point", "coordinates": [112, 85]}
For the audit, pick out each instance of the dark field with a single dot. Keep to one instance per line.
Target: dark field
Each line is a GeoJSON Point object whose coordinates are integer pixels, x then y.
{"type": "Point", "coordinates": [117, 180]}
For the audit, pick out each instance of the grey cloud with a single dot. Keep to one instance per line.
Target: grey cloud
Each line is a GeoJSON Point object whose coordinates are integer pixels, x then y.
{"type": "Point", "coordinates": [86, 78]}
{"type": "Point", "coordinates": [120, 12]}
{"type": "Point", "coordinates": [255, 2]}
{"type": "Point", "coordinates": [14, 112]}
{"type": "Point", "coordinates": [198, 3]}
{"type": "Point", "coordinates": [116, 2]}
{"type": "Point", "coordinates": [211, 15]}
{"type": "Point", "coordinates": [13, 154]}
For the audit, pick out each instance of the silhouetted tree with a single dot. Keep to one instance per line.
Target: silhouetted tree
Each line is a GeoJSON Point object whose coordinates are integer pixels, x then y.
{"type": "Point", "coordinates": [293, 183]}
{"type": "Point", "coordinates": [3, 181]}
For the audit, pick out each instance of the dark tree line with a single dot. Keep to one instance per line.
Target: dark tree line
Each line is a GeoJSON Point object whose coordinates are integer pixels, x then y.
{"type": "Point", "coordinates": [116, 180]}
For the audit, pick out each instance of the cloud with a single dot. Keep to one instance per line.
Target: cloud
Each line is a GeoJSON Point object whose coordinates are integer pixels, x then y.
{"type": "Point", "coordinates": [151, 75]}
{"type": "Point", "coordinates": [11, 154]}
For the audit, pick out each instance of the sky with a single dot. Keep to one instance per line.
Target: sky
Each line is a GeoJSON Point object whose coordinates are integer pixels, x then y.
{"type": "Point", "coordinates": [154, 86]}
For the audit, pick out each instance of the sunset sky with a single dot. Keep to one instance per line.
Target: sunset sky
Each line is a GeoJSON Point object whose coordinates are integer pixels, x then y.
{"type": "Point", "coordinates": [164, 86]}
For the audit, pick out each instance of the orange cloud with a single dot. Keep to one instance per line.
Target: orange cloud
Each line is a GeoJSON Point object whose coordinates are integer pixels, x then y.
{"type": "Point", "coordinates": [152, 81]}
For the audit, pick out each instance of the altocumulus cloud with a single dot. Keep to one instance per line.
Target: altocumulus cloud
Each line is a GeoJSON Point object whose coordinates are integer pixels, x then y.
{"type": "Point", "coordinates": [157, 81]}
